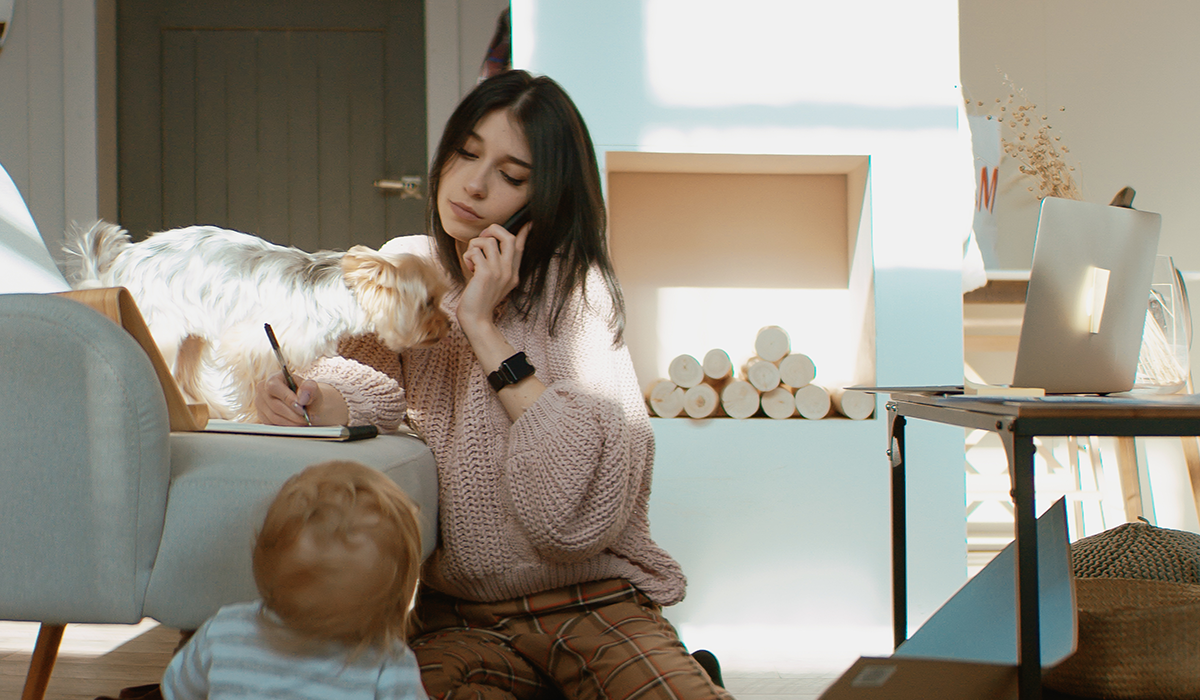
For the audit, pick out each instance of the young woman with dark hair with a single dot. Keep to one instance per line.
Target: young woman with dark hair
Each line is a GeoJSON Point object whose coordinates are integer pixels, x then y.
{"type": "Point", "coordinates": [545, 581]}
{"type": "Point", "coordinates": [563, 182]}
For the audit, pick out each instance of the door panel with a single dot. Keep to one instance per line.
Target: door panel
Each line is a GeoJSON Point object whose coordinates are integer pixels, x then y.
{"type": "Point", "coordinates": [263, 119]}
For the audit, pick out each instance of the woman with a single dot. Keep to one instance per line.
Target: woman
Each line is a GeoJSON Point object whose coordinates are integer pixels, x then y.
{"type": "Point", "coordinates": [545, 580]}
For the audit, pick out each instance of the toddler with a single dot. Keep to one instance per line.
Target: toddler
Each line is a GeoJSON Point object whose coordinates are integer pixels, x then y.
{"type": "Point", "coordinates": [336, 564]}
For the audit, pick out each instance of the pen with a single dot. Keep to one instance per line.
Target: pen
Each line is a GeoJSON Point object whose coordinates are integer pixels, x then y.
{"type": "Point", "coordinates": [287, 375]}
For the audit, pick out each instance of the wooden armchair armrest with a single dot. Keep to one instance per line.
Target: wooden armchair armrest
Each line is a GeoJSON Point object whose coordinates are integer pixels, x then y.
{"type": "Point", "coordinates": [118, 305]}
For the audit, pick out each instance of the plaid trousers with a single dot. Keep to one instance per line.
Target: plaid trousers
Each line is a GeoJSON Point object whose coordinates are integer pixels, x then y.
{"type": "Point", "coordinates": [597, 640]}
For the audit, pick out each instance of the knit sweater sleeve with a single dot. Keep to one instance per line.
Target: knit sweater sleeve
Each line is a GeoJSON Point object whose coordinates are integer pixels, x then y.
{"type": "Point", "coordinates": [367, 375]}
{"type": "Point", "coordinates": [575, 468]}
{"type": "Point", "coordinates": [579, 459]}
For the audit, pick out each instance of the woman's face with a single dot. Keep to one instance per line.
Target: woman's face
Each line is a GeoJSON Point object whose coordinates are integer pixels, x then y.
{"type": "Point", "coordinates": [487, 180]}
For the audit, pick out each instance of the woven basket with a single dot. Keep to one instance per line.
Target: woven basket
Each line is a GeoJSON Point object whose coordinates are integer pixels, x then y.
{"type": "Point", "coordinates": [1139, 550]}
{"type": "Point", "coordinates": [1138, 639]}
{"type": "Point", "coordinates": [1137, 591]}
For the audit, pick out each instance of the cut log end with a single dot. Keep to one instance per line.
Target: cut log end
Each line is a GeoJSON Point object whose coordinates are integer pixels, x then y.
{"type": "Point", "coordinates": [797, 370]}
{"type": "Point", "coordinates": [855, 405]}
{"type": "Point", "coordinates": [813, 402]}
{"type": "Point", "coordinates": [762, 373]}
{"type": "Point", "coordinates": [717, 365]}
{"type": "Point", "coordinates": [685, 371]}
{"type": "Point", "coordinates": [779, 403]}
{"type": "Point", "coordinates": [665, 399]}
{"type": "Point", "coordinates": [772, 343]}
{"type": "Point", "coordinates": [739, 399]}
{"type": "Point", "coordinates": [701, 401]}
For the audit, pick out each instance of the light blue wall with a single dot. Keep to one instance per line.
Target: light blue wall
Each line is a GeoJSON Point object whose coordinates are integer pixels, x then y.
{"type": "Point", "coordinates": [788, 523]}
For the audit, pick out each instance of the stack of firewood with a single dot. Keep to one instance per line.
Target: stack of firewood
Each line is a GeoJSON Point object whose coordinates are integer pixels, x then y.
{"type": "Point", "coordinates": [774, 382]}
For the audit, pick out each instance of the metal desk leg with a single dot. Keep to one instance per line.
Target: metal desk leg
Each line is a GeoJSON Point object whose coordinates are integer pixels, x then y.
{"type": "Point", "coordinates": [899, 527]}
{"type": "Point", "coordinates": [1029, 644]}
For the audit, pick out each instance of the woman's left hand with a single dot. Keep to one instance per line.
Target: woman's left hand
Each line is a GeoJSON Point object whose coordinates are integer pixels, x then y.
{"type": "Point", "coordinates": [493, 263]}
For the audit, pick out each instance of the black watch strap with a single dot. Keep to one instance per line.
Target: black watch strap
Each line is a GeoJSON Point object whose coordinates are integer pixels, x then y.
{"type": "Point", "coordinates": [511, 371]}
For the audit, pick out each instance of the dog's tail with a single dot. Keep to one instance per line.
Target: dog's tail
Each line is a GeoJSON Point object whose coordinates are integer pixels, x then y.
{"type": "Point", "coordinates": [90, 253]}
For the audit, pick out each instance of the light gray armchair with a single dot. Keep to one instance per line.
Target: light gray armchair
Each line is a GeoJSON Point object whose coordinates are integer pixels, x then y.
{"type": "Point", "coordinates": [106, 516]}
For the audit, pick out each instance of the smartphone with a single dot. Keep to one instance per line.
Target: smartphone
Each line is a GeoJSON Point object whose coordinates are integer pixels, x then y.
{"type": "Point", "coordinates": [516, 221]}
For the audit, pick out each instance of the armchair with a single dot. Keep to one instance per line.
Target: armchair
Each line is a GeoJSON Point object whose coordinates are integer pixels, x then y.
{"type": "Point", "coordinates": [106, 515]}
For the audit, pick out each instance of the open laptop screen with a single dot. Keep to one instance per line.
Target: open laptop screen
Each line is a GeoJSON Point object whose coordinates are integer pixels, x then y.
{"type": "Point", "coordinates": [1086, 304]}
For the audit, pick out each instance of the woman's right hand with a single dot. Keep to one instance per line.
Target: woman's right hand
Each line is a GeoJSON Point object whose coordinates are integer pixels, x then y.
{"type": "Point", "coordinates": [277, 404]}
{"type": "Point", "coordinates": [492, 262]}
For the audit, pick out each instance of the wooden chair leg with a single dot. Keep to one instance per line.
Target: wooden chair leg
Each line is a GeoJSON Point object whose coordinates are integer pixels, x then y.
{"type": "Point", "coordinates": [1131, 487]}
{"type": "Point", "coordinates": [1191, 454]}
{"type": "Point", "coordinates": [45, 653]}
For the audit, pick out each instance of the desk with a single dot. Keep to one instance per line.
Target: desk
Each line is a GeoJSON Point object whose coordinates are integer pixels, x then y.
{"type": "Point", "coordinates": [1018, 422]}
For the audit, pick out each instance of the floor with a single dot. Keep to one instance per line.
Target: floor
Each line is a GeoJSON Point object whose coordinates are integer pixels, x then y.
{"type": "Point", "coordinates": [94, 660]}
{"type": "Point", "coordinates": [99, 660]}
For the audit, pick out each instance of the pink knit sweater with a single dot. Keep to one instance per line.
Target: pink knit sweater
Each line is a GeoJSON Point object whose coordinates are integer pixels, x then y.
{"type": "Point", "coordinates": [558, 497]}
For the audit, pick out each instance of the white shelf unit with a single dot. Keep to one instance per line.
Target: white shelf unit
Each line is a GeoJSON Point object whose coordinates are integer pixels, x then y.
{"type": "Point", "coordinates": [711, 247]}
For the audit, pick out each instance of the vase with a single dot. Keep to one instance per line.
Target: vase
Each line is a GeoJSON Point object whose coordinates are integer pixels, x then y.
{"type": "Point", "coordinates": [1163, 363]}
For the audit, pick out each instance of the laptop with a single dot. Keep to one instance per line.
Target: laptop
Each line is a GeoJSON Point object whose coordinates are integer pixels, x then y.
{"type": "Point", "coordinates": [1085, 308]}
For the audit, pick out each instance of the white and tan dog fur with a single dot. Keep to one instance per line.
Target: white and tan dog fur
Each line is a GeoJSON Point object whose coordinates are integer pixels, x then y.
{"type": "Point", "coordinates": [206, 292]}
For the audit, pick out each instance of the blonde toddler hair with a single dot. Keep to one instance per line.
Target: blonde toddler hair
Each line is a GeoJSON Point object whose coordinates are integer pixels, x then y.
{"type": "Point", "coordinates": [338, 556]}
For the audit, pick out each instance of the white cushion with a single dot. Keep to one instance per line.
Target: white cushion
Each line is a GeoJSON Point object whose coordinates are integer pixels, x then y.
{"type": "Point", "coordinates": [221, 486]}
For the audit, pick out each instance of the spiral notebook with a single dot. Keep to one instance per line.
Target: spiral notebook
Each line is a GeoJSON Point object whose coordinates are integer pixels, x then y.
{"type": "Point", "coordinates": [343, 433]}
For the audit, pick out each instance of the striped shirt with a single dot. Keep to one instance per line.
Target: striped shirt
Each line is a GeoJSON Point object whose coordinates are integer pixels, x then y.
{"type": "Point", "coordinates": [231, 657]}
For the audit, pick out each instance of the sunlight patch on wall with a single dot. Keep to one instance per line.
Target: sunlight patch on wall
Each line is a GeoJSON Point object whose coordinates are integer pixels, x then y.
{"type": "Point", "coordinates": [524, 38]}
{"type": "Point", "coordinates": [700, 53]}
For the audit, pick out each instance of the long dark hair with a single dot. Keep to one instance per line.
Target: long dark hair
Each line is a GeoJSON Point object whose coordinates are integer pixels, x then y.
{"type": "Point", "coordinates": [565, 202]}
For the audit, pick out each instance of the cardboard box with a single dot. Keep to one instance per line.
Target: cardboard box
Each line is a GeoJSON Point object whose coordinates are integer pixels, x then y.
{"type": "Point", "coordinates": [968, 648]}
{"type": "Point", "coordinates": [923, 679]}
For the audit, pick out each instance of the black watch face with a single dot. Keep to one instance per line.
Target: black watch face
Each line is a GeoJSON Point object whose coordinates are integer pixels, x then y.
{"type": "Point", "coordinates": [518, 368]}
{"type": "Point", "coordinates": [511, 371]}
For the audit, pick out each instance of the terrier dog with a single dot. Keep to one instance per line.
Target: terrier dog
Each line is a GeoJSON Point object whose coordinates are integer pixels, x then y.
{"type": "Point", "coordinates": [206, 293]}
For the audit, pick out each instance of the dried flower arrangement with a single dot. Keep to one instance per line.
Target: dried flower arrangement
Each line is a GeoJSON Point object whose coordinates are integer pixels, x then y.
{"type": "Point", "coordinates": [1028, 138]}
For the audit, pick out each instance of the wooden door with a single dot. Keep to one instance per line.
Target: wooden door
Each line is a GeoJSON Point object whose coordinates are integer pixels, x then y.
{"type": "Point", "coordinates": [274, 117]}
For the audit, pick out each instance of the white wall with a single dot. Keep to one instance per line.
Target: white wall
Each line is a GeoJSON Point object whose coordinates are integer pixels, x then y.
{"type": "Point", "coordinates": [1118, 82]}
{"type": "Point", "coordinates": [57, 121]}
{"type": "Point", "coordinates": [798, 77]}
{"type": "Point", "coordinates": [457, 35]}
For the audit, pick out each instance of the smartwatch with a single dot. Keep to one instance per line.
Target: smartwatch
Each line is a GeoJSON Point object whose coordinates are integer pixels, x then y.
{"type": "Point", "coordinates": [511, 371]}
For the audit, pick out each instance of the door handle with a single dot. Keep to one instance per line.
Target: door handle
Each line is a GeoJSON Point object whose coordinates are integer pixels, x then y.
{"type": "Point", "coordinates": [408, 186]}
